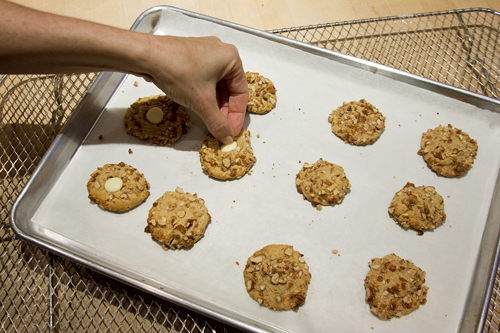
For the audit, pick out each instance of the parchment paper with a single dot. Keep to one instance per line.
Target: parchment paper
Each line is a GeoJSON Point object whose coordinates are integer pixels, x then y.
{"type": "Point", "coordinates": [265, 208]}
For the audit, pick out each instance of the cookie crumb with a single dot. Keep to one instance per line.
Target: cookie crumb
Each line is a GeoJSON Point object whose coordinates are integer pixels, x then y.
{"type": "Point", "coordinates": [100, 137]}
{"type": "Point", "coordinates": [130, 151]}
{"type": "Point", "coordinates": [420, 233]}
{"type": "Point", "coordinates": [237, 263]}
{"type": "Point", "coordinates": [136, 83]}
{"type": "Point", "coordinates": [335, 251]}
{"type": "Point", "coordinates": [258, 135]}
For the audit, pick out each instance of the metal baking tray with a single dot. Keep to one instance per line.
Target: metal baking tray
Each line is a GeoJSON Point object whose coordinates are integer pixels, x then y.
{"type": "Point", "coordinates": [460, 257]}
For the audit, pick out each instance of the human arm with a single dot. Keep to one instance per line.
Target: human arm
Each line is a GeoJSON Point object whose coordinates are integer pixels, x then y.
{"type": "Point", "coordinates": [203, 74]}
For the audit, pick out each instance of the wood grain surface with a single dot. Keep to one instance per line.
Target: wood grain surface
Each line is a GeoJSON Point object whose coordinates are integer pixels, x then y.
{"type": "Point", "coordinates": [259, 14]}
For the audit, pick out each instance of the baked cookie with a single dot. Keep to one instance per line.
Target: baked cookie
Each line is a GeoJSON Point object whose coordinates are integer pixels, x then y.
{"type": "Point", "coordinates": [157, 119]}
{"type": "Point", "coordinates": [448, 151]}
{"type": "Point", "coordinates": [322, 183]}
{"type": "Point", "coordinates": [227, 161]}
{"type": "Point", "coordinates": [358, 123]}
{"type": "Point", "coordinates": [177, 219]}
{"type": "Point", "coordinates": [419, 208]}
{"type": "Point", "coordinates": [394, 286]}
{"type": "Point", "coordinates": [117, 187]}
{"type": "Point", "coordinates": [277, 277]}
{"type": "Point", "coordinates": [262, 93]}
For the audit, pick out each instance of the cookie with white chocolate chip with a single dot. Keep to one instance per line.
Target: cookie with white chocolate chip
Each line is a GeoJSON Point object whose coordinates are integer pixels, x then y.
{"type": "Point", "coordinates": [322, 183]}
{"type": "Point", "coordinates": [277, 277]}
{"type": "Point", "coordinates": [358, 123]}
{"type": "Point", "coordinates": [156, 119]}
{"type": "Point", "coordinates": [227, 161]}
{"type": "Point", "coordinates": [117, 187]}
{"type": "Point", "coordinates": [448, 151]}
{"type": "Point", "coordinates": [177, 219]}
{"type": "Point", "coordinates": [394, 286]}
{"type": "Point", "coordinates": [262, 93]}
{"type": "Point", "coordinates": [420, 208]}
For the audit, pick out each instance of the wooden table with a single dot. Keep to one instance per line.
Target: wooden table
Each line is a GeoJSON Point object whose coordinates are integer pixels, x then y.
{"type": "Point", "coordinates": [259, 14]}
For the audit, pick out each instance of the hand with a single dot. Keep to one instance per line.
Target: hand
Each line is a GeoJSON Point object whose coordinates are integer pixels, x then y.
{"type": "Point", "coordinates": [204, 75]}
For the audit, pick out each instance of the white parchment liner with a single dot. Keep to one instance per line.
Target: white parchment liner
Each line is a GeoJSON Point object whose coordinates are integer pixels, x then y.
{"type": "Point", "coordinates": [264, 207]}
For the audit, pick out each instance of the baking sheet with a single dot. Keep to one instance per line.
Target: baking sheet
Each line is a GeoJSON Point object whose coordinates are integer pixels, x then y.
{"type": "Point", "coordinates": [264, 207]}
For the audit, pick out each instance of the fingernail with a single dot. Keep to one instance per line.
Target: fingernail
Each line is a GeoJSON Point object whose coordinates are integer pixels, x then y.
{"type": "Point", "coordinates": [227, 140]}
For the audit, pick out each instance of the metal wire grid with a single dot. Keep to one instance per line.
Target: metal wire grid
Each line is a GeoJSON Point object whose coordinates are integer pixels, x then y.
{"type": "Point", "coordinates": [44, 292]}
{"type": "Point", "coordinates": [459, 48]}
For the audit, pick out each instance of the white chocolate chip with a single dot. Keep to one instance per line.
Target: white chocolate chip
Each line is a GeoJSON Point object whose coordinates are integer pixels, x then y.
{"type": "Point", "coordinates": [229, 147]}
{"type": "Point", "coordinates": [113, 184]}
{"type": "Point", "coordinates": [154, 115]}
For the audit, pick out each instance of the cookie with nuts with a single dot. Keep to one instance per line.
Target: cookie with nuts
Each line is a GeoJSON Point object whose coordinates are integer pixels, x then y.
{"type": "Point", "coordinates": [157, 119]}
{"type": "Point", "coordinates": [177, 219]}
{"type": "Point", "coordinates": [420, 208]}
{"type": "Point", "coordinates": [277, 277]}
{"type": "Point", "coordinates": [117, 187]}
{"type": "Point", "coordinates": [322, 183]}
{"type": "Point", "coordinates": [227, 161]}
{"type": "Point", "coordinates": [449, 151]}
{"type": "Point", "coordinates": [394, 286]}
{"type": "Point", "coordinates": [262, 93]}
{"type": "Point", "coordinates": [358, 123]}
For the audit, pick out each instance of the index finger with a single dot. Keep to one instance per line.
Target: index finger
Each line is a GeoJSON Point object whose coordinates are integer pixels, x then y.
{"type": "Point", "coordinates": [236, 98]}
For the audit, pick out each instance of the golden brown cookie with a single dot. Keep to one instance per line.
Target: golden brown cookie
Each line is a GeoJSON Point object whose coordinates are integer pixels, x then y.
{"type": "Point", "coordinates": [394, 286]}
{"type": "Point", "coordinates": [358, 123]}
{"type": "Point", "coordinates": [322, 183]}
{"type": "Point", "coordinates": [227, 161]}
{"type": "Point", "coordinates": [157, 119]}
{"type": "Point", "coordinates": [277, 277]}
{"type": "Point", "coordinates": [419, 208]}
{"type": "Point", "coordinates": [448, 151]}
{"type": "Point", "coordinates": [177, 219]}
{"type": "Point", "coordinates": [117, 187]}
{"type": "Point", "coordinates": [262, 93]}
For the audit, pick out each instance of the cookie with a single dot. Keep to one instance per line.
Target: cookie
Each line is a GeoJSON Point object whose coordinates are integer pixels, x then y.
{"type": "Point", "coordinates": [394, 286]}
{"type": "Point", "coordinates": [262, 93]}
{"type": "Point", "coordinates": [277, 277]}
{"type": "Point", "coordinates": [322, 183]}
{"type": "Point", "coordinates": [117, 187]}
{"type": "Point", "coordinates": [420, 208]}
{"type": "Point", "coordinates": [157, 119]}
{"type": "Point", "coordinates": [448, 151]}
{"type": "Point", "coordinates": [358, 123]}
{"type": "Point", "coordinates": [177, 219]}
{"type": "Point", "coordinates": [227, 161]}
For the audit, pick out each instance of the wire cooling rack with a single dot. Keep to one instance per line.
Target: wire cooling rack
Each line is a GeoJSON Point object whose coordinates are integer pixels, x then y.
{"type": "Point", "coordinates": [43, 292]}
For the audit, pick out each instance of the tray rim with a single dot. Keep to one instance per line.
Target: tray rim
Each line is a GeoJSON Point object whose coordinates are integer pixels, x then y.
{"type": "Point", "coordinates": [471, 319]}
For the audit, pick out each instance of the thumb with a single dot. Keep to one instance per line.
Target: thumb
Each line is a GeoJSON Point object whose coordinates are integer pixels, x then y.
{"type": "Point", "coordinates": [218, 124]}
